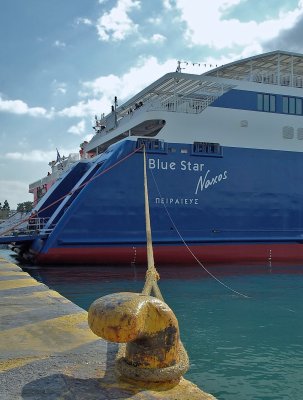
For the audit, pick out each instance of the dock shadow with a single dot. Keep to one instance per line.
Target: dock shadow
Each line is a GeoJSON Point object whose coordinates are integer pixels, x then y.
{"type": "Point", "coordinates": [64, 387]}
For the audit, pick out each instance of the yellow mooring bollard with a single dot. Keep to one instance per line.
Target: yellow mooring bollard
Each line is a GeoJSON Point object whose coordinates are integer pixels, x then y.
{"type": "Point", "coordinates": [154, 352]}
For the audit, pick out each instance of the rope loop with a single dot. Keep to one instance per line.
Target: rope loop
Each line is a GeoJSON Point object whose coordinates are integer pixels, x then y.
{"type": "Point", "coordinates": [152, 274]}
{"type": "Point", "coordinates": [153, 375]}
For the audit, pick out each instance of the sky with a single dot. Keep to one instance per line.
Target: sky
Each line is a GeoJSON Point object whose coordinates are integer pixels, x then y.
{"type": "Point", "coordinates": [63, 61]}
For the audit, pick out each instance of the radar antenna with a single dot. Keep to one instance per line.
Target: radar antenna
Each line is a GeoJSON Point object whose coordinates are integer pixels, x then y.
{"type": "Point", "coordinates": [179, 68]}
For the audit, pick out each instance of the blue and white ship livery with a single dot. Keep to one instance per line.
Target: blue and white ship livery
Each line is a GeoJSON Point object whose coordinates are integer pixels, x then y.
{"type": "Point", "coordinates": [224, 165]}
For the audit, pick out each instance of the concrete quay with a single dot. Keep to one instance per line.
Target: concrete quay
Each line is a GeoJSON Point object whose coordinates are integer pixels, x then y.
{"type": "Point", "coordinates": [47, 350]}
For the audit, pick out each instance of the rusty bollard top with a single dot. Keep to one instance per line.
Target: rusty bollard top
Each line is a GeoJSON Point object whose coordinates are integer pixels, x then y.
{"type": "Point", "coordinates": [150, 329]}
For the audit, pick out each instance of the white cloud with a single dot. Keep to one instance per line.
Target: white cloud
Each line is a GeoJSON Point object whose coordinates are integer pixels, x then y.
{"type": "Point", "coordinates": [116, 24]}
{"type": "Point", "coordinates": [83, 21]}
{"type": "Point", "coordinates": [154, 39]}
{"type": "Point", "coordinates": [145, 72]}
{"type": "Point", "coordinates": [158, 38]}
{"type": "Point", "coordinates": [58, 43]}
{"type": "Point", "coordinates": [155, 21]}
{"type": "Point", "coordinates": [60, 90]}
{"type": "Point", "coordinates": [103, 85]}
{"type": "Point", "coordinates": [38, 156]}
{"type": "Point", "coordinates": [209, 27]}
{"type": "Point", "coordinates": [167, 4]}
{"type": "Point", "coordinates": [85, 108]}
{"type": "Point", "coordinates": [20, 107]}
{"type": "Point", "coordinates": [77, 129]}
{"type": "Point", "coordinates": [105, 88]}
{"type": "Point", "coordinates": [33, 155]}
{"type": "Point", "coordinates": [59, 87]}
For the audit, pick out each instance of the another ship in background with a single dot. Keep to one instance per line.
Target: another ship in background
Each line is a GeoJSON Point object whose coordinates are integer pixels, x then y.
{"type": "Point", "coordinates": [40, 187]}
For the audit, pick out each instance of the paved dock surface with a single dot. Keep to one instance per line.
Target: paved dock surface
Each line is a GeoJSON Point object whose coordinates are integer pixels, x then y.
{"type": "Point", "coordinates": [47, 350]}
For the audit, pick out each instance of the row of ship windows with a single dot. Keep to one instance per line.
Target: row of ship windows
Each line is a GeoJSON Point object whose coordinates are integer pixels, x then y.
{"type": "Point", "coordinates": [197, 148]}
{"type": "Point", "coordinates": [290, 105]}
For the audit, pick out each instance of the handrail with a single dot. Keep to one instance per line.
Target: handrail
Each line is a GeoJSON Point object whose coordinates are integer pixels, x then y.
{"type": "Point", "coordinates": [37, 223]}
{"type": "Point", "coordinates": [34, 225]}
{"type": "Point", "coordinates": [183, 105]}
{"type": "Point", "coordinates": [269, 77]}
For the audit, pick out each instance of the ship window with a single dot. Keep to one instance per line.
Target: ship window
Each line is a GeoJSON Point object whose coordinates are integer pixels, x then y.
{"type": "Point", "coordinates": [272, 103]}
{"type": "Point", "coordinates": [299, 106]}
{"type": "Point", "coordinates": [292, 105]}
{"type": "Point", "coordinates": [152, 145]}
{"type": "Point", "coordinates": [266, 102]}
{"type": "Point", "coordinates": [172, 149]}
{"type": "Point", "coordinates": [260, 102]}
{"type": "Point", "coordinates": [184, 151]}
{"type": "Point", "coordinates": [205, 148]}
{"type": "Point", "coordinates": [285, 104]}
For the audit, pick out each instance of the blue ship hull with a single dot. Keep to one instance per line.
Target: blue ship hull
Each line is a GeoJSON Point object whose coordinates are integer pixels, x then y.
{"type": "Point", "coordinates": [238, 204]}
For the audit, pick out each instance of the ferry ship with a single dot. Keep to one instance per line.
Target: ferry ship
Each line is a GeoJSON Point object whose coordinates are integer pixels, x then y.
{"type": "Point", "coordinates": [224, 167]}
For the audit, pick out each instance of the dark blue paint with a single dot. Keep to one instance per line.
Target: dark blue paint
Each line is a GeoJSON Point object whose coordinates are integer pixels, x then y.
{"type": "Point", "coordinates": [258, 201]}
{"type": "Point", "coordinates": [247, 100]}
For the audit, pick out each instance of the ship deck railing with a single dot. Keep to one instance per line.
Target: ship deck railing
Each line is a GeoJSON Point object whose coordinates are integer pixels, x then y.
{"type": "Point", "coordinates": [183, 105]}
{"type": "Point", "coordinates": [180, 105]}
{"type": "Point", "coordinates": [275, 79]}
{"type": "Point", "coordinates": [27, 231]}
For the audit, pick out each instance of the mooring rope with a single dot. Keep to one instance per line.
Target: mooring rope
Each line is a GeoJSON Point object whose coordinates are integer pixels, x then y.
{"type": "Point", "coordinates": [170, 373]}
{"type": "Point", "coordinates": [152, 275]}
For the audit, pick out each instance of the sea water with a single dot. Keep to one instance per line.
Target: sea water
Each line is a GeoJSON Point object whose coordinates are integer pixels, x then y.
{"type": "Point", "coordinates": [241, 346]}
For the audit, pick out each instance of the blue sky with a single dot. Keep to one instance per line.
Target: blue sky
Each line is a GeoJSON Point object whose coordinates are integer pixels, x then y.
{"type": "Point", "coordinates": [63, 61]}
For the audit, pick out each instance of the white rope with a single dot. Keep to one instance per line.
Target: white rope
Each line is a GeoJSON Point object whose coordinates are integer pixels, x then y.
{"type": "Point", "coordinates": [152, 275]}
{"type": "Point", "coordinates": [194, 256]}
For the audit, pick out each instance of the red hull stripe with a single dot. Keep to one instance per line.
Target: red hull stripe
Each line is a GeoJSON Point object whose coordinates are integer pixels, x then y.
{"type": "Point", "coordinates": [165, 255]}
